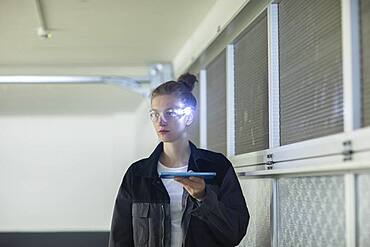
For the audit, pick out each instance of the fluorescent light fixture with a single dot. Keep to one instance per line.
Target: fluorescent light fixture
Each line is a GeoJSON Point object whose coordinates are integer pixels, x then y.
{"type": "Point", "coordinates": [121, 81]}
{"type": "Point", "coordinates": [50, 79]}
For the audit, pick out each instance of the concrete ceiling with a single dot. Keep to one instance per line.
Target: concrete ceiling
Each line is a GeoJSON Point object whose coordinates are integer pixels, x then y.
{"type": "Point", "coordinates": [106, 33]}
{"type": "Point", "coordinates": [89, 37]}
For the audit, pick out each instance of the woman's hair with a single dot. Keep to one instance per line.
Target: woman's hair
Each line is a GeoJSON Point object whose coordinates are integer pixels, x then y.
{"type": "Point", "coordinates": [181, 89]}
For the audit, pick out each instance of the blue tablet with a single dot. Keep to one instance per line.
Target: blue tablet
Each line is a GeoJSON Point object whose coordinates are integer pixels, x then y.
{"type": "Point", "coordinates": [187, 174]}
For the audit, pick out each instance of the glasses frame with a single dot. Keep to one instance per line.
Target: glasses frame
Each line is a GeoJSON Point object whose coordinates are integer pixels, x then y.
{"type": "Point", "coordinates": [169, 115]}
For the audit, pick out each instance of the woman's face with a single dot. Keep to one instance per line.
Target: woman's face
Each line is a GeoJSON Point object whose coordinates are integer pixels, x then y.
{"type": "Point", "coordinates": [170, 118]}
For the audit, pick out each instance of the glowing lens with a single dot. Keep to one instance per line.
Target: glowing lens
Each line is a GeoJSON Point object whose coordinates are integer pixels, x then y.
{"type": "Point", "coordinates": [169, 114]}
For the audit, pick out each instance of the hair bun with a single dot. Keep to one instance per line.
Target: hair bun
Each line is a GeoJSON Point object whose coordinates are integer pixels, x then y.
{"type": "Point", "coordinates": [188, 79]}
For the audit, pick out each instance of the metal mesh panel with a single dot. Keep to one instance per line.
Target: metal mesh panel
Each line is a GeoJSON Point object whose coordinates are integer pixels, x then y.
{"type": "Point", "coordinates": [311, 91]}
{"type": "Point", "coordinates": [193, 132]}
{"type": "Point", "coordinates": [363, 215]}
{"type": "Point", "coordinates": [216, 104]}
{"type": "Point", "coordinates": [311, 211]}
{"type": "Point", "coordinates": [251, 88]}
{"type": "Point", "coordinates": [365, 43]}
{"type": "Point", "coordinates": [257, 194]}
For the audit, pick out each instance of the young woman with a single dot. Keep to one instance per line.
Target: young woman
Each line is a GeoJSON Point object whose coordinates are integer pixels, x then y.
{"type": "Point", "coordinates": [150, 211]}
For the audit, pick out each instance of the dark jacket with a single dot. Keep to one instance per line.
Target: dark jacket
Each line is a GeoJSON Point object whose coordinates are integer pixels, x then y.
{"type": "Point", "coordinates": [141, 214]}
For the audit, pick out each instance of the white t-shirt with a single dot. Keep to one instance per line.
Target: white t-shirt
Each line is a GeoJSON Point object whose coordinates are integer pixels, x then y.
{"type": "Point", "coordinates": [175, 191]}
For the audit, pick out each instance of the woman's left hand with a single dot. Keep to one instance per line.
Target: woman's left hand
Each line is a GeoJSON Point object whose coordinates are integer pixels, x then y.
{"type": "Point", "coordinates": [194, 185]}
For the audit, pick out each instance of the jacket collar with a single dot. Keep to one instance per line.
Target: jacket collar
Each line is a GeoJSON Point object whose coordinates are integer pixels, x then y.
{"type": "Point", "coordinates": [149, 168]}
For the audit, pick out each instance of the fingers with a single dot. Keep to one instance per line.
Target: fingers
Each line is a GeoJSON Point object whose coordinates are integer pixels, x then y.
{"type": "Point", "coordinates": [191, 181]}
{"type": "Point", "coordinates": [184, 181]}
{"type": "Point", "coordinates": [194, 185]}
{"type": "Point", "coordinates": [196, 179]}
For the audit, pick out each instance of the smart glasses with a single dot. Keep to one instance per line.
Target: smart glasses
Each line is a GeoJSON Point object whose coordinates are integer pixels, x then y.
{"type": "Point", "coordinates": [171, 114]}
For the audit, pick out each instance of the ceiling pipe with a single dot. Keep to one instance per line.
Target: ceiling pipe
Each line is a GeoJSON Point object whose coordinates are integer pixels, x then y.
{"type": "Point", "coordinates": [121, 81]}
{"type": "Point", "coordinates": [42, 31]}
{"type": "Point", "coordinates": [159, 73]}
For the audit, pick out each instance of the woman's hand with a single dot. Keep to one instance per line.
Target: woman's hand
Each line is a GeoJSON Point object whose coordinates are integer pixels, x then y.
{"type": "Point", "coordinates": [194, 185]}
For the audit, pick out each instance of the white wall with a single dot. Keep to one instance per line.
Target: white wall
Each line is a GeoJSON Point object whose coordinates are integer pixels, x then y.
{"type": "Point", "coordinates": [146, 138]}
{"type": "Point", "coordinates": [62, 172]}
{"type": "Point", "coordinates": [59, 173]}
